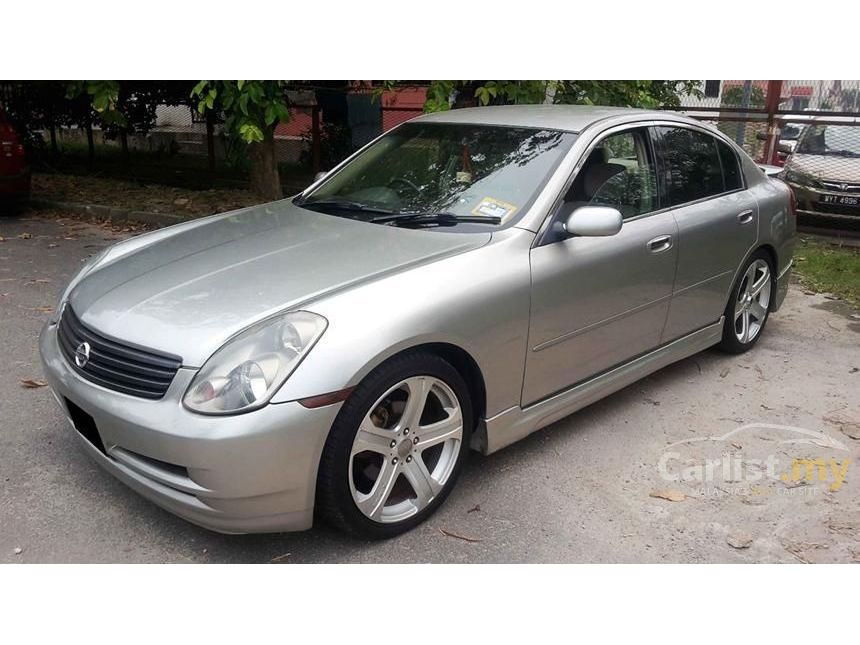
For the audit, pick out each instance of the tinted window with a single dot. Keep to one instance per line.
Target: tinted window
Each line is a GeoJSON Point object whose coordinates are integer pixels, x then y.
{"type": "Point", "coordinates": [731, 169]}
{"type": "Point", "coordinates": [618, 173]}
{"type": "Point", "coordinates": [689, 165]}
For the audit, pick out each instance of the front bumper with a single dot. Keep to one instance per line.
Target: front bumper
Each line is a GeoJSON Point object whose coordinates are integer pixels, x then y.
{"type": "Point", "coordinates": [248, 473]}
{"type": "Point", "coordinates": [812, 210]}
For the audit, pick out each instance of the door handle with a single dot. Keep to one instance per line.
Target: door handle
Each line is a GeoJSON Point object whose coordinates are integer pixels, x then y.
{"type": "Point", "coordinates": [660, 244]}
{"type": "Point", "coordinates": [745, 217]}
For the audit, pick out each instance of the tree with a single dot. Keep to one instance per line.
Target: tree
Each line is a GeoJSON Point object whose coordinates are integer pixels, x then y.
{"type": "Point", "coordinates": [252, 110]}
{"type": "Point", "coordinates": [442, 95]}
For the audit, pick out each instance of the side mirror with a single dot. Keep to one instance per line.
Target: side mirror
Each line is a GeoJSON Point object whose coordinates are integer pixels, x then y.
{"type": "Point", "coordinates": [593, 221]}
{"type": "Point", "coordinates": [784, 148]}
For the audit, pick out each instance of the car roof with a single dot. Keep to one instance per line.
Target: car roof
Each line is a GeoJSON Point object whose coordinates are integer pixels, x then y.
{"type": "Point", "coordinates": [572, 118]}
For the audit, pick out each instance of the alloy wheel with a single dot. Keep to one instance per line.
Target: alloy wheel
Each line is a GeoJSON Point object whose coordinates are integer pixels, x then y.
{"type": "Point", "coordinates": [405, 449]}
{"type": "Point", "coordinates": [752, 301]}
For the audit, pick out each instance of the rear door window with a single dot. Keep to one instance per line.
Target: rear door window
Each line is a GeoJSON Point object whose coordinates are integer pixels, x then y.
{"type": "Point", "coordinates": [689, 165]}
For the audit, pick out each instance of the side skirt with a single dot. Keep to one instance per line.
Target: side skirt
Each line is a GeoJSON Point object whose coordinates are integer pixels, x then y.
{"type": "Point", "coordinates": [515, 423]}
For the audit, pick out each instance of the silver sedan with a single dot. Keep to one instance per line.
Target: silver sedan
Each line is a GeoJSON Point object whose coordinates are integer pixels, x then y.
{"type": "Point", "coordinates": [460, 282]}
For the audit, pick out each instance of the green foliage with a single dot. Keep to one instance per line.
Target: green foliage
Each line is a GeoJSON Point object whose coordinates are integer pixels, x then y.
{"type": "Point", "coordinates": [103, 95]}
{"type": "Point", "coordinates": [734, 97]}
{"type": "Point", "coordinates": [251, 108]}
{"type": "Point", "coordinates": [442, 95]}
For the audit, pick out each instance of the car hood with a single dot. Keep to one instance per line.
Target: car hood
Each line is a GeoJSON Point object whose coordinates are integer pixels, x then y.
{"type": "Point", "coordinates": [191, 289]}
{"type": "Point", "coordinates": [826, 167]}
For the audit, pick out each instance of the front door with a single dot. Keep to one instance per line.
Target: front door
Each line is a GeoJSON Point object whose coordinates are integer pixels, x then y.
{"type": "Point", "coordinates": [600, 301]}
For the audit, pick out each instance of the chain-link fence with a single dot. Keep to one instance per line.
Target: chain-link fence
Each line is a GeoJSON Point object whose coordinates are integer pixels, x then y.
{"type": "Point", "coordinates": [811, 127]}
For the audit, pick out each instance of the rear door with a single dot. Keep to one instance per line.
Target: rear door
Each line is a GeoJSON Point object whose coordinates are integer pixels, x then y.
{"type": "Point", "coordinates": [701, 181]}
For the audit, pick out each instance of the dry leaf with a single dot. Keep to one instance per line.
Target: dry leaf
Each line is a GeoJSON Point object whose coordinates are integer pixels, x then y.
{"type": "Point", "coordinates": [474, 509]}
{"type": "Point", "coordinates": [740, 540]}
{"type": "Point", "coordinates": [671, 495]}
{"type": "Point", "coordinates": [465, 538]}
{"type": "Point", "coordinates": [43, 310]}
{"type": "Point", "coordinates": [33, 383]}
{"type": "Point", "coordinates": [53, 246]}
{"type": "Point", "coordinates": [724, 373]}
{"type": "Point", "coordinates": [851, 428]}
{"type": "Point", "coordinates": [25, 236]}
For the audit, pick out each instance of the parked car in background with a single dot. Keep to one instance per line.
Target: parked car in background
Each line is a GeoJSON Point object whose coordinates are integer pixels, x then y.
{"type": "Point", "coordinates": [824, 172]}
{"type": "Point", "coordinates": [14, 168]}
{"type": "Point", "coordinates": [464, 280]}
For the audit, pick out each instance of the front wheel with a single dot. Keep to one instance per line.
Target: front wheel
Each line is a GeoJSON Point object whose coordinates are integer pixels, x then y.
{"type": "Point", "coordinates": [396, 447]}
{"type": "Point", "coordinates": [749, 305]}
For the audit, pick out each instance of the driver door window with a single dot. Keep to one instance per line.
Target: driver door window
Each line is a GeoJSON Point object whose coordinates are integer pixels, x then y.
{"type": "Point", "coordinates": [619, 173]}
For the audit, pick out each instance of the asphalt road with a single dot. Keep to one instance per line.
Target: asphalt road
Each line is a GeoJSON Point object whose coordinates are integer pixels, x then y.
{"type": "Point", "coordinates": [578, 491]}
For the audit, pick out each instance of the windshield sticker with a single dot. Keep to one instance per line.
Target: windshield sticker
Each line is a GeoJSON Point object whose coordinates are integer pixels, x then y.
{"type": "Point", "coordinates": [489, 207]}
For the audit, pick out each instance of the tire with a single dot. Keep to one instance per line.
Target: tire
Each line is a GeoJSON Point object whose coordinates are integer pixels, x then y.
{"type": "Point", "coordinates": [748, 308]}
{"type": "Point", "coordinates": [413, 475]}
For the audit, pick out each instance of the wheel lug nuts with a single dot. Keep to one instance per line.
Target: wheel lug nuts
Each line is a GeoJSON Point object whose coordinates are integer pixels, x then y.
{"type": "Point", "coordinates": [408, 459]}
{"type": "Point", "coordinates": [406, 432]}
{"type": "Point", "coordinates": [393, 443]}
{"type": "Point", "coordinates": [415, 441]}
{"type": "Point", "coordinates": [394, 461]}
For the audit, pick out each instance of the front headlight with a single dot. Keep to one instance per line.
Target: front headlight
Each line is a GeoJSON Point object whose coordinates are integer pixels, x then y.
{"type": "Point", "coordinates": [245, 373]}
{"type": "Point", "coordinates": [799, 178]}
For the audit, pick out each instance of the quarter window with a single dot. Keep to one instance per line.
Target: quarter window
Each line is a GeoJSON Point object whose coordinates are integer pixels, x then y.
{"type": "Point", "coordinates": [731, 169]}
{"type": "Point", "coordinates": [618, 173]}
{"type": "Point", "coordinates": [689, 165]}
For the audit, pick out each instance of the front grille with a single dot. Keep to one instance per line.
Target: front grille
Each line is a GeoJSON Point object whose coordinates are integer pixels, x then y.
{"type": "Point", "coordinates": [114, 365]}
{"type": "Point", "coordinates": [840, 187]}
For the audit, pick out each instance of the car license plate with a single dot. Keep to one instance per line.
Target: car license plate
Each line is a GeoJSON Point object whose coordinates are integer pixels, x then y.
{"type": "Point", "coordinates": [841, 200]}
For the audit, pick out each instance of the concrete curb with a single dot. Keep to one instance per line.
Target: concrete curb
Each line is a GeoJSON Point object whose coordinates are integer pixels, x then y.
{"type": "Point", "coordinates": [111, 214]}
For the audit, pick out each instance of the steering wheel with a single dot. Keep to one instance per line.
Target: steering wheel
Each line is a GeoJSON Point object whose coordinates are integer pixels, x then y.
{"type": "Point", "coordinates": [409, 184]}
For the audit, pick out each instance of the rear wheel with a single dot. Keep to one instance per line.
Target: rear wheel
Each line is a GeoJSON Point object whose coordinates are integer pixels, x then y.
{"type": "Point", "coordinates": [749, 305]}
{"type": "Point", "coordinates": [396, 447]}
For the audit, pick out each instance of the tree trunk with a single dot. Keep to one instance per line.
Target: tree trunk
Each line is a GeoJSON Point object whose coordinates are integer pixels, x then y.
{"type": "Point", "coordinates": [265, 180]}
{"type": "Point", "coordinates": [54, 149]}
{"type": "Point", "coordinates": [91, 146]}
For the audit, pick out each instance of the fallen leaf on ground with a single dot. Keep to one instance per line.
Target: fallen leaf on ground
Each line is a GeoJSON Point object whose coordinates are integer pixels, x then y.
{"type": "Point", "coordinates": [740, 540]}
{"type": "Point", "coordinates": [33, 383]}
{"type": "Point", "coordinates": [53, 246]}
{"type": "Point", "coordinates": [474, 509]}
{"type": "Point", "coordinates": [25, 236]}
{"type": "Point", "coordinates": [43, 310]}
{"type": "Point", "coordinates": [851, 429]}
{"type": "Point", "coordinates": [671, 495]}
{"type": "Point", "coordinates": [465, 538]}
{"type": "Point", "coordinates": [18, 550]}
{"type": "Point", "coordinates": [725, 373]}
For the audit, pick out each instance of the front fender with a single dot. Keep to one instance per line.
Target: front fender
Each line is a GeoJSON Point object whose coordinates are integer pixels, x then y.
{"type": "Point", "coordinates": [477, 301]}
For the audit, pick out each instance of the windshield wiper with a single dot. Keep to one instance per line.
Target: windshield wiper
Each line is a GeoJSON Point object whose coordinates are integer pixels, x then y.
{"type": "Point", "coordinates": [434, 219]}
{"type": "Point", "coordinates": [345, 205]}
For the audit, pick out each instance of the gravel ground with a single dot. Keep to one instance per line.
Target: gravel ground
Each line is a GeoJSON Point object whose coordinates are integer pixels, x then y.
{"type": "Point", "coordinates": [587, 489]}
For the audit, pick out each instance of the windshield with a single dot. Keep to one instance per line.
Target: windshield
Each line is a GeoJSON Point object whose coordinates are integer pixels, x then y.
{"type": "Point", "coordinates": [486, 175]}
{"type": "Point", "coordinates": [836, 140]}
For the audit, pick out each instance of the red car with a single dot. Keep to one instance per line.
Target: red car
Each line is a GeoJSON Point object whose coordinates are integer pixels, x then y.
{"type": "Point", "coordinates": [14, 168]}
